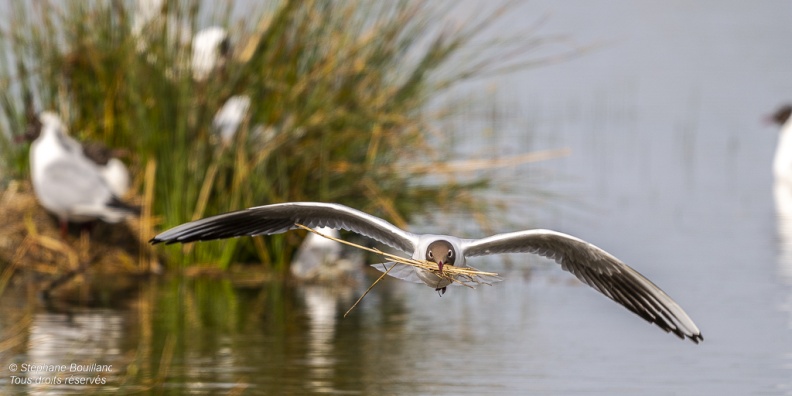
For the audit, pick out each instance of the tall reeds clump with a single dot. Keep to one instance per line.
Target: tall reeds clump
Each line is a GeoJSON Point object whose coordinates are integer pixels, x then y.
{"type": "Point", "coordinates": [338, 103]}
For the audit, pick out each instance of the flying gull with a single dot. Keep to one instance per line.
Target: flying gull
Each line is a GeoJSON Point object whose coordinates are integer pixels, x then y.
{"type": "Point", "coordinates": [592, 265]}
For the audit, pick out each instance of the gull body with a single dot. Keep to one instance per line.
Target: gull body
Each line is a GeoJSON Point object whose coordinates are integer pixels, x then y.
{"type": "Point", "coordinates": [210, 47]}
{"type": "Point", "coordinates": [229, 118]}
{"type": "Point", "coordinates": [782, 186]}
{"type": "Point", "coordinates": [113, 170]}
{"type": "Point", "coordinates": [782, 162]}
{"type": "Point", "coordinates": [592, 265]}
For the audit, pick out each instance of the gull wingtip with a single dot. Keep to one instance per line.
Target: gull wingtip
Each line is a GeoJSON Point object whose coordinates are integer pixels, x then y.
{"type": "Point", "coordinates": [161, 239]}
{"type": "Point", "coordinates": [696, 338]}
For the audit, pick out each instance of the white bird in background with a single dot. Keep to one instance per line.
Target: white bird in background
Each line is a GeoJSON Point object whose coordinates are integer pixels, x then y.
{"type": "Point", "coordinates": [66, 182]}
{"type": "Point", "coordinates": [229, 118]}
{"type": "Point", "coordinates": [782, 163]}
{"type": "Point", "coordinates": [322, 260]}
{"type": "Point", "coordinates": [210, 47]}
{"type": "Point", "coordinates": [113, 170]}
{"type": "Point", "coordinates": [153, 18]}
{"type": "Point", "coordinates": [782, 188]}
{"type": "Point", "coordinates": [592, 265]}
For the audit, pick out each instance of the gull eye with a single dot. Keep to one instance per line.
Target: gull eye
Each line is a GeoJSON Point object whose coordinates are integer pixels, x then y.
{"type": "Point", "coordinates": [450, 253]}
{"type": "Point", "coordinates": [431, 256]}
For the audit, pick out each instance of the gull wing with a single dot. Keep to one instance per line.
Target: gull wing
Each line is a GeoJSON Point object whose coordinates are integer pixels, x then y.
{"type": "Point", "coordinates": [279, 218]}
{"type": "Point", "coordinates": [597, 268]}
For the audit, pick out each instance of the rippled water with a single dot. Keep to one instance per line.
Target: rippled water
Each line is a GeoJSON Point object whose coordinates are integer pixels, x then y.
{"type": "Point", "coordinates": [669, 170]}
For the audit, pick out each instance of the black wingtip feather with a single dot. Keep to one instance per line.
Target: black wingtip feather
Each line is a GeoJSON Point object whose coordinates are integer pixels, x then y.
{"type": "Point", "coordinates": [116, 203]}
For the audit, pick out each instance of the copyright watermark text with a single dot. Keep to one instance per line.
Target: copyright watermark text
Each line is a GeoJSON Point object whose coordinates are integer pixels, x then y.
{"type": "Point", "coordinates": [59, 374]}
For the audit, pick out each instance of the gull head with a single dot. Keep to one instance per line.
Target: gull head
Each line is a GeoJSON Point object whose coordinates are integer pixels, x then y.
{"type": "Point", "coordinates": [37, 123]}
{"type": "Point", "coordinates": [780, 116]}
{"type": "Point", "coordinates": [441, 252]}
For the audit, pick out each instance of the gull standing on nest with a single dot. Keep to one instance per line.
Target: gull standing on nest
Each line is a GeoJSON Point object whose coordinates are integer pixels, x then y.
{"type": "Point", "coordinates": [66, 182]}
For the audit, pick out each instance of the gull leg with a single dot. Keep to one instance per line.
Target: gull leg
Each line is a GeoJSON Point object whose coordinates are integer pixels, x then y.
{"type": "Point", "coordinates": [64, 228]}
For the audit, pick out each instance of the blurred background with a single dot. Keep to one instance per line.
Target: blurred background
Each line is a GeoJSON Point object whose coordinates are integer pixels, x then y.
{"type": "Point", "coordinates": [637, 126]}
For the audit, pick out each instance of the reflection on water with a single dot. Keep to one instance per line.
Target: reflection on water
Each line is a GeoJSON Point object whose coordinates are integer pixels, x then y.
{"type": "Point", "coordinates": [209, 336]}
{"type": "Point", "coordinates": [86, 343]}
{"type": "Point", "coordinates": [321, 307]}
{"type": "Point", "coordinates": [783, 202]}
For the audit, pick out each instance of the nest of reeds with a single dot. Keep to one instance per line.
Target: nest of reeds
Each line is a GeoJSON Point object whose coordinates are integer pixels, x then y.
{"type": "Point", "coordinates": [30, 243]}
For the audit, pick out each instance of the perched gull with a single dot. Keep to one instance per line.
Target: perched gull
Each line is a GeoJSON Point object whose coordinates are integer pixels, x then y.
{"type": "Point", "coordinates": [782, 188]}
{"type": "Point", "coordinates": [782, 162]}
{"type": "Point", "coordinates": [229, 118]}
{"type": "Point", "coordinates": [322, 260]}
{"type": "Point", "coordinates": [590, 264]}
{"type": "Point", "coordinates": [210, 46]}
{"type": "Point", "coordinates": [66, 182]}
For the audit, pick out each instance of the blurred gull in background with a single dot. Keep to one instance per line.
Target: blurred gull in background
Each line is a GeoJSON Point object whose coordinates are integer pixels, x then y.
{"type": "Point", "coordinates": [150, 19]}
{"type": "Point", "coordinates": [322, 260]}
{"type": "Point", "coordinates": [782, 186]}
{"type": "Point", "coordinates": [229, 118]}
{"type": "Point", "coordinates": [210, 48]}
{"type": "Point", "coordinates": [66, 182]}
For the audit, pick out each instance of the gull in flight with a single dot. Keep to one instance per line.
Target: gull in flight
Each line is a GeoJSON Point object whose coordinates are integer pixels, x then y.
{"type": "Point", "coordinates": [592, 265]}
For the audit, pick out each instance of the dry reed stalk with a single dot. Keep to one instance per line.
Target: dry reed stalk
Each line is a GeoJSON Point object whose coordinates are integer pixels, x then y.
{"type": "Point", "coordinates": [146, 221]}
{"type": "Point", "coordinates": [367, 291]}
{"type": "Point", "coordinates": [470, 165]}
{"type": "Point", "coordinates": [11, 267]}
{"type": "Point", "coordinates": [51, 243]}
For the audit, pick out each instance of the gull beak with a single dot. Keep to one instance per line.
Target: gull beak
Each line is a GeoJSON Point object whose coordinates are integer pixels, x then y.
{"type": "Point", "coordinates": [440, 266]}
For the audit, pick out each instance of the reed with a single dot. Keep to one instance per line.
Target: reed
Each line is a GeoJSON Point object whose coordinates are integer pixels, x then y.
{"type": "Point", "coordinates": [339, 94]}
